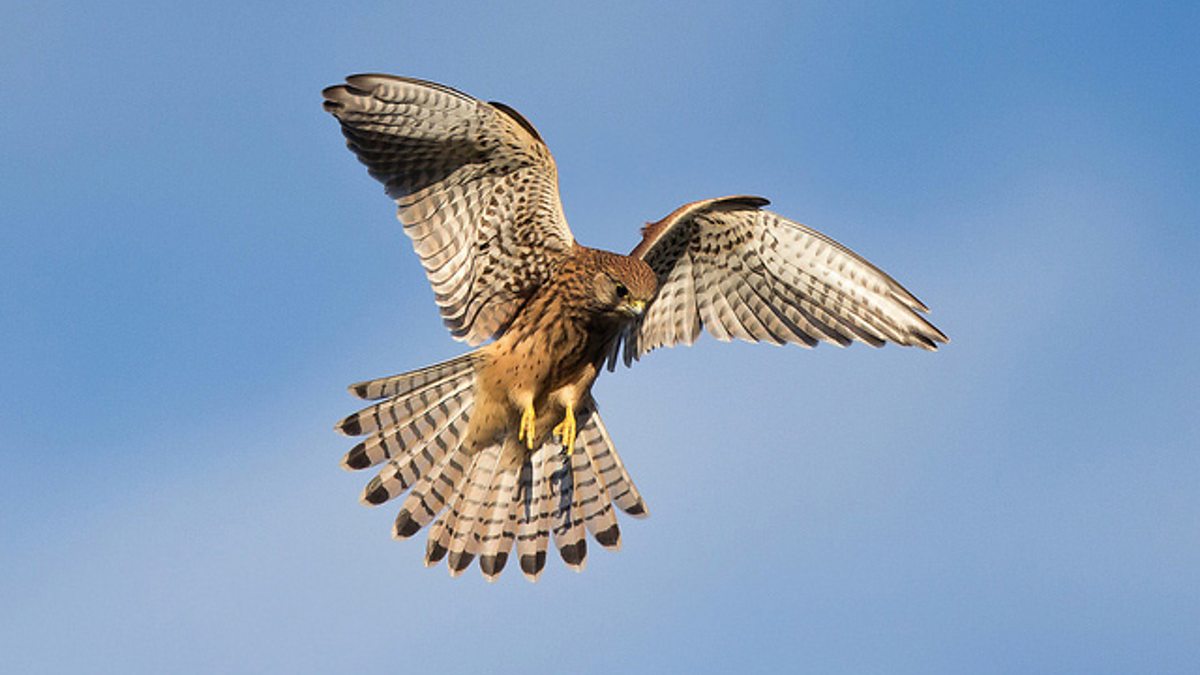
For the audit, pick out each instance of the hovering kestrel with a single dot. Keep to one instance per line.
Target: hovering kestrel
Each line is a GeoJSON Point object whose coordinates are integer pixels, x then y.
{"type": "Point", "coordinates": [508, 436]}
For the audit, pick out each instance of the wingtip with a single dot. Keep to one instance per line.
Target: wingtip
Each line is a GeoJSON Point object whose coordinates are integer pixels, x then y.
{"type": "Point", "coordinates": [458, 562]}
{"type": "Point", "coordinates": [365, 83]}
{"type": "Point", "coordinates": [492, 565]}
{"type": "Point", "coordinates": [574, 555]}
{"type": "Point", "coordinates": [609, 538]}
{"type": "Point", "coordinates": [434, 552]}
{"type": "Point", "coordinates": [362, 84]}
{"type": "Point", "coordinates": [753, 201]}
{"type": "Point", "coordinates": [930, 340]}
{"type": "Point", "coordinates": [349, 426]}
{"type": "Point", "coordinates": [533, 565]}
{"type": "Point", "coordinates": [404, 526]}
{"type": "Point", "coordinates": [638, 510]}
{"type": "Point", "coordinates": [333, 97]}
{"type": "Point", "coordinates": [374, 493]}
{"type": "Point", "coordinates": [356, 459]}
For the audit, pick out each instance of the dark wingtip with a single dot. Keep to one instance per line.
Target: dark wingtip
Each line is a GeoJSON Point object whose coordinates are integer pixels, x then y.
{"type": "Point", "coordinates": [375, 493]}
{"type": "Point", "coordinates": [357, 458]}
{"type": "Point", "coordinates": [459, 561]}
{"type": "Point", "coordinates": [574, 554]}
{"type": "Point", "coordinates": [405, 526]}
{"type": "Point", "coordinates": [753, 201]}
{"type": "Point", "coordinates": [434, 552]}
{"type": "Point", "coordinates": [493, 565]}
{"type": "Point", "coordinates": [610, 538]}
{"type": "Point", "coordinates": [518, 118]}
{"type": "Point", "coordinates": [532, 565]}
{"type": "Point", "coordinates": [350, 426]}
{"type": "Point", "coordinates": [637, 510]}
{"type": "Point", "coordinates": [333, 95]}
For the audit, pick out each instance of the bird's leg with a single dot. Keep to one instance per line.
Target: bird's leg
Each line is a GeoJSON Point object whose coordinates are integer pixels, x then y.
{"type": "Point", "coordinates": [566, 429]}
{"type": "Point", "coordinates": [528, 429]}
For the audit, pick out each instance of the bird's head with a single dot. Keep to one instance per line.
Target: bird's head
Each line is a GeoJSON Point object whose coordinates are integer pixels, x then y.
{"type": "Point", "coordinates": [624, 286]}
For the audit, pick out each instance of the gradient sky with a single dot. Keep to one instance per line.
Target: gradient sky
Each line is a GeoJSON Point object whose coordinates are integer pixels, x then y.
{"type": "Point", "coordinates": [192, 267]}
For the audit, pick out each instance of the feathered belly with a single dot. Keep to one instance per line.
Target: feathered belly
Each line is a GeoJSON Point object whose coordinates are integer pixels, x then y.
{"type": "Point", "coordinates": [548, 370]}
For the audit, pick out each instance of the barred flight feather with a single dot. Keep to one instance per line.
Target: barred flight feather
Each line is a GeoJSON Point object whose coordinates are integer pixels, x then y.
{"type": "Point", "coordinates": [742, 272]}
{"type": "Point", "coordinates": [430, 403]}
{"type": "Point", "coordinates": [531, 531]}
{"type": "Point", "coordinates": [567, 519]}
{"type": "Point", "coordinates": [607, 465]}
{"type": "Point", "coordinates": [427, 433]}
{"type": "Point", "coordinates": [404, 383]}
{"type": "Point", "coordinates": [428, 496]}
{"type": "Point", "coordinates": [594, 504]}
{"type": "Point", "coordinates": [463, 173]}
{"type": "Point", "coordinates": [501, 525]}
{"type": "Point", "coordinates": [464, 510]}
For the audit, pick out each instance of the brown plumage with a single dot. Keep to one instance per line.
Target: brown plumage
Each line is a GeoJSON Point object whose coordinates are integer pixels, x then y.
{"type": "Point", "coordinates": [503, 446]}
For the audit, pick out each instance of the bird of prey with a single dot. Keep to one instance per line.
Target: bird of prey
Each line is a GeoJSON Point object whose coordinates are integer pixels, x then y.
{"type": "Point", "coordinates": [504, 446]}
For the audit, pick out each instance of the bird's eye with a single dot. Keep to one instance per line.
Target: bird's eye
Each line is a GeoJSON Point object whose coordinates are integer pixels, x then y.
{"type": "Point", "coordinates": [622, 291]}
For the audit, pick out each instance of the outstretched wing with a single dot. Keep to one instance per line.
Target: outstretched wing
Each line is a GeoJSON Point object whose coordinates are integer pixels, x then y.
{"type": "Point", "coordinates": [476, 187]}
{"type": "Point", "coordinates": [742, 272]}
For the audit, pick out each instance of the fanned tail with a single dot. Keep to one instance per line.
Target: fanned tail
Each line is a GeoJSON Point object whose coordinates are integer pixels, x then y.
{"type": "Point", "coordinates": [560, 496]}
{"type": "Point", "coordinates": [488, 501]}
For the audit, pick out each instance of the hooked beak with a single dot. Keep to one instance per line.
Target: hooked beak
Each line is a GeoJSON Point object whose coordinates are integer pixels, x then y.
{"type": "Point", "coordinates": [637, 307]}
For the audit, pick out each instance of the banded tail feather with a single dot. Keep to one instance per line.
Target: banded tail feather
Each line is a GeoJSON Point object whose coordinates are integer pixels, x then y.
{"type": "Point", "coordinates": [607, 464]}
{"type": "Point", "coordinates": [499, 526]}
{"type": "Point", "coordinates": [533, 528]}
{"type": "Point", "coordinates": [485, 502]}
{"type": "Point", "coordinates": [404, 383]}
{"type": "Point", "coordinates": [463, 525]}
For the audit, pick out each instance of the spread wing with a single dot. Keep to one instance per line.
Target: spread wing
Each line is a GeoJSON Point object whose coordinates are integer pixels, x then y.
{"type": "Point", "coordinates": [742, 272]}
{"type": "Point", "coordinates": [476, 187]}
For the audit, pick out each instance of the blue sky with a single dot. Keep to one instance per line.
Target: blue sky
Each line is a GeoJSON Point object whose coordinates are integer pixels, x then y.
{"type": "Point", "coordinates": [192, 267]}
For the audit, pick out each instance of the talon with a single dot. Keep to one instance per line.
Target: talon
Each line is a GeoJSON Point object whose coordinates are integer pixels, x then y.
{"type": "Point", "coordinates": [528, 428]}
{"type": "Point", "coordinates": [566, 430]}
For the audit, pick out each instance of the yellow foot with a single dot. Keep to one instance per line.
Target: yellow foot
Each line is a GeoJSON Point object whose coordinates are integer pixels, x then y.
{"type": "Point", "coordinates": [528, 429]}
{"type": "Point", "coordinates": [566, 430]}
